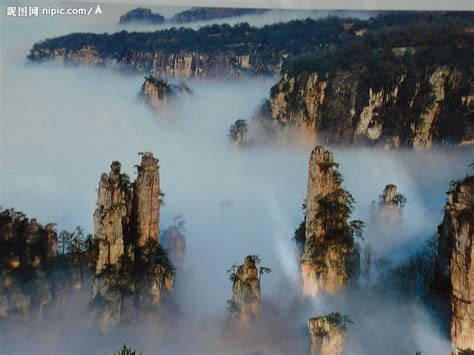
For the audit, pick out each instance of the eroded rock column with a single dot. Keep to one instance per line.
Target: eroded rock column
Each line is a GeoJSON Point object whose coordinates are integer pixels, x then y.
{"type": "Point", "coordinates": [246, 292]}
{"type": "Point", "coordinates": [388, 205]}
{"type": "Point", "coordinates": [110, 216]}
{"type": "Point", "coordinates": [329, 257]}
{"type": "Point", "coordinates": [455, 261]}
{"type": "Point", "coordinates": [328, 334]}
{"type": "Point", "coordinates": [146, 200]}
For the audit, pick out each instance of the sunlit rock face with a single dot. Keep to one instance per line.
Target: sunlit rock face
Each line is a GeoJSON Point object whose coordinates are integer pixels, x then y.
{"type": "Point", "coordinates": [156, 92]}
{"type": "Point", "coordinates": [146, 200]}
{"type": "Point", "coordinates": [246, 297]}
{"type": "Point", "coordinates": [133, 273]}
{"type": "Point", "coordinates": [329, 257]}
{"type": "Point", "coordinates": [456, 271]}
{"type": "Point", "coordinates": [110, 217]}
{"type": "Point", "coordinates": [174, 241]}
{"type": "Point", "coordinates": [420, 108]}
{"type": "Point", "coordinates": [328, 334]}
{"type": "Point", "coordinates": [388, 205]}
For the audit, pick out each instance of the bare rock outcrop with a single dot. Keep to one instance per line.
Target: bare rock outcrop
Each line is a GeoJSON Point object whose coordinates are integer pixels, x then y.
{"type": "Point", "coordinates": [455, 269]}
{"type": "Point", "coordinates": [328, 334]}
{"type": "Point", "coordinates": [157, 92]}
{"type": "Point", "coordinates": [329, 258]}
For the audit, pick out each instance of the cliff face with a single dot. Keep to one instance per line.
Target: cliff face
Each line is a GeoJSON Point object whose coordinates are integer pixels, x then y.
{"type": "Point", "coordinates": [328, 334]}
{"type": "Point", "coordinates": [329, 258]}
{"type": "Point", "coordinates": [245, 304]}
{"type": "Point", "coordinates": [418, 108]}
{"type": "Point", "coordinates": [456, 271]}
{"type": "Point", "coordinates": [30, 277]}
{"type": "Point", "coordinates": [133, 271]}
{"type": "Point", "coordinates": [217, 50]}
{"type": "Point", "coordinates": [156, 92]}
{"type": "Point", "coordinates": [184, 63]}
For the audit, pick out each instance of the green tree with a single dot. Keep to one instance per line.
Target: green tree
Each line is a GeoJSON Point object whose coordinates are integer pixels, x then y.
{"type": "Point", "coordinates": [400, 200]}
{"type": "Point", "coordinates": [125, 350]}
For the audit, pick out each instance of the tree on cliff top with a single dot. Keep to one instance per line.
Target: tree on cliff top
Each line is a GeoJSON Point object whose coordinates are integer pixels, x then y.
{"type": "Point", "coordinates": [125, 350]}
{"type": "Point", "coordinates": [333, 213]}
{"type": "Point", "coordinates": [255, 259]}
{"type": "Point", "coordinates": [238, 132]}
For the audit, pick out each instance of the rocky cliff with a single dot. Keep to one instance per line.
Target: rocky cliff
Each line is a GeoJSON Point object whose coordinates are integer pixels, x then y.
{"type": "Point", "coordinates": [218, 50]}
{"type": "Point", "coordinates": [328, 334]}
{"type": "Point", "coordinates": [455, 269]}
{"type": "Point", "coordinates": [329, 258]}
{"type": "Point", "coordinates": [405, 91]}
{"type": "Point", "coordinates": [32, 274]}
{"type": "Point", "coordinates": [156, 92]}
{"type": "Point", "coordinates": [134, 275]}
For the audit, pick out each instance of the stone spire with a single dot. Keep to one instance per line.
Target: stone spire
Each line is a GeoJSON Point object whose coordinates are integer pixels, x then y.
{"type": "Point", "coordinates": [329, 257]}
{"type": "Point", "coordinates": [146, 200]}
{"type": "Point", "coordinates": [246, 297]}
{"type": "Point", "coordinates": [126, 218]}
{"type": "Point", "coordinates": [328, 334]}
{"type": "Point", "coordinates": [388, 204]}
{"type": "Point", "coordinates": [455, 271]}
{"type": "Point", "coordinates": [110, 216]}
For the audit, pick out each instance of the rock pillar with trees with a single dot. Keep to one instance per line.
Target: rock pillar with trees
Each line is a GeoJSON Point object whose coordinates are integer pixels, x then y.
{"type": "Point", "coordinates": [328, 334]}
{"type": "Point", "coordinates": [455, 270]}
{"type": "Point", "coordinates": [157, 92]}
{"type": "Point", "coordinates": [391, 202]}
{"type": "Point", "coordinates": [245, 305]}
{"type": "Point", "coordinates": [134, 274]}
{"type": "Point", "coordinates": [330, 257]}
{"type": "Point", "coordinates": [111, 217]}
{"type": "Point", "coordinates": [146, 201]}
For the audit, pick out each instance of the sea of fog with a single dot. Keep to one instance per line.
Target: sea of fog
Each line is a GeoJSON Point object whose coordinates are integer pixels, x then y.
{"type": "Point", "coordinates": [61, 127]}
